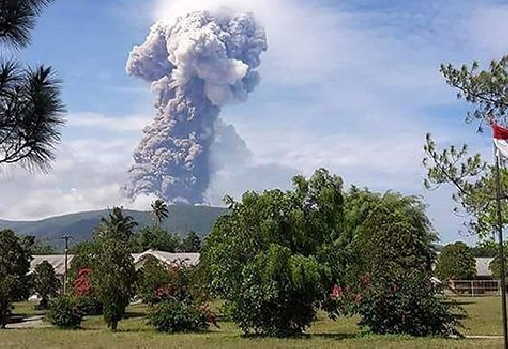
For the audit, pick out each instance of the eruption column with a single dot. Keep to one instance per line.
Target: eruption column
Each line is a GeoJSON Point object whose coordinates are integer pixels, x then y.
{"type": "Point", "coordinates": [196, 65]}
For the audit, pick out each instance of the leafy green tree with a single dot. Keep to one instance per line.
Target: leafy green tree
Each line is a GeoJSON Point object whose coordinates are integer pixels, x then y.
{"type": "Point", "coordinates": [45, 283]}
{"type": "Point", "coordinates": [113, 271]}
{"type": "Point", "coordinates": [14, 266]}
{"type": "Point", "coordinates": [456, 261]}
{"type": "Point", "coordinates": [274, 257]}
{"type": "Point", "coordinates": [394, 233]}
{"type": "Point", "coordinates": [473, 180]}
{"type": "Point", "coordinates": [191, 243]}
{"type": "Point", "coordinates": [390, 267]}
{"type": "Point", "coordinates": [486, 249]}
{"type": "Point", "coordinates": [160, 211]}
{"type": "Point", "coordinates": [495, 267]}
{"type": "Point", "coordinates": [154, 238]}
{"type": "Point", "coordinates": [30, 104]}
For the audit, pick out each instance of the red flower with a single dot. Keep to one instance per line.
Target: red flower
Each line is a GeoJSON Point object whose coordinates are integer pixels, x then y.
{"type": "Point", "coordinates": [83, 285]}
{"type": "Point", "coordinates": [336, 292]}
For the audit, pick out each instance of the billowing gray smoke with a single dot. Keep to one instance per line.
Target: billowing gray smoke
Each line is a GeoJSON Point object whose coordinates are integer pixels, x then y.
{"type": "Point", "coordinates": [196, 65]}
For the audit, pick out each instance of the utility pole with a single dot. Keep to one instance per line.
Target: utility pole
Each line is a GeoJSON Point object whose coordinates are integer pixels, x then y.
{"type": "Point", "coordinates": [501, 251]}
{"type": "Point", "coordinates": [66, 238]}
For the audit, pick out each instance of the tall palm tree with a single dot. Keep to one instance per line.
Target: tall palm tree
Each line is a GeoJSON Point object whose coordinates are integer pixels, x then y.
{"type": "Point", "coordinates": [160, 211]}
{"type": "Point", "coordinates": [30, 99]}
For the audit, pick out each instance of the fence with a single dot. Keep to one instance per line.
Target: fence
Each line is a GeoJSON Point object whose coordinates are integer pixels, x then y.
{"type": "Point", "coordinates": [474, 288]}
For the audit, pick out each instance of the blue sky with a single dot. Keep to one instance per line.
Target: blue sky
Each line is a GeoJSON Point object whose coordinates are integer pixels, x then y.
{"type": "Point", "coordinates": [352, 86]}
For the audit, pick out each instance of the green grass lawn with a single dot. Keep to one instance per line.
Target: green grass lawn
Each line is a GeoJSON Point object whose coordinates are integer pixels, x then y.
{"type": "Point", "coordinates": [483, 319]}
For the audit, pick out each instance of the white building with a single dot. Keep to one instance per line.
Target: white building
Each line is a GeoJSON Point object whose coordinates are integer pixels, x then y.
{"type": "Point", "coordinates": [57, 261]}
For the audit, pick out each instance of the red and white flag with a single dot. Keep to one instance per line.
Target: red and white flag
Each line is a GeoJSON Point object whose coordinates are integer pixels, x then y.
{"type": "Point", "coordinates": [500, 135]}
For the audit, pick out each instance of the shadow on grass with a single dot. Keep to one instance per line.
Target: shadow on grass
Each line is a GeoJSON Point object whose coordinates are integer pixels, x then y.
{"type": "Point", "coordinates": [337, 336]}
{"type": "Point", "coordinates": [460, 303]}
{"type": "Point", "coordinates": [304, 337]}
{"type": "Point", "coordinates": [134, 314]}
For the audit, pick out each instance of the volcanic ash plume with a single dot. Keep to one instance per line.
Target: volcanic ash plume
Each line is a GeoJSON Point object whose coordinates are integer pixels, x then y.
{"type": "Point", "coordinates": [196, 65]}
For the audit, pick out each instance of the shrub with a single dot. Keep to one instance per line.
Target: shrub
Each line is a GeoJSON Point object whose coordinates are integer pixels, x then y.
{"type": "Point", "coordinates": [175, 316]}
{"type": "Point", "coordinates": [152, 276]}
{"type": "Point", "coordinates": [89, 305]}
{"type": "Point", "coordinates": [158, 281]}
{"type": "Point", "coordinates": [407, 305]}
{"type": "Point", "coordinates": [64, 312]}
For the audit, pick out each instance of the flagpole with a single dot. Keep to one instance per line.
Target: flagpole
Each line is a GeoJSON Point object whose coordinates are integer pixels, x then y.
{"type": "Point", "coordinates": [501, 250]}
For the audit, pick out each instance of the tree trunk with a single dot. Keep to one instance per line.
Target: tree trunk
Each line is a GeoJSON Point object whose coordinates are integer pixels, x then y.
{"type": "Point", "coordinates": [4, 313]}
{"type": "Point", "coordinates": [44, 303]}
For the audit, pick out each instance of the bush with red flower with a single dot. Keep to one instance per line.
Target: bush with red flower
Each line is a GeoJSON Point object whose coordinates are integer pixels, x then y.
{"type": "Point", "coordinates": [171, 290]}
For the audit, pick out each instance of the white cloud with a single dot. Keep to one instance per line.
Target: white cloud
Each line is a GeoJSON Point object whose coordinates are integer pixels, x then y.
{"type": "Point", "coordinates": [128, 123]}
{"type": "Point", "coordinates": [88, 174]}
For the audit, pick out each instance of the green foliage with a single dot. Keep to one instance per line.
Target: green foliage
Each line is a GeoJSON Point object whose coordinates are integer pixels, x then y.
{"type": "Point", "coordinates": [45, 283]}
{"type": "Point", "coordinates": [406, 304]}
{"type": "Point", "coordinates": [30, 103]}
{"type": "Point", "coordinates": [391, 231]}
{"type": "Point", "coordinates": [158, 281]}
{"type": "Point", "coordinates": [116, 226]}
{"type": "Point", "coordinates": [191, 243]}
{"type": "Point", "coordinates": [14, 265]}
{"type": "Point", "coordinates": [389, 269]}
{"type": "Point", "coordinates": [30, 115]}
{"type": "Point", "coordinates": [152, 276]}
{"type": "Point", "coordinates": [176, 316]}
{"type": "Point", "coordinates": [274, 258]}
{"type": "Point", "coordinates": [456, 261]}
{"type": "Point", "coordinates": [495, 266]}
{"type": "Point", "coordinates": [89, 305]}
{"type": "Point", "coordinates": [160, 211]}
{"type": "Point", "coordinates": [154, 238]}
{"type": "Point", "coordinates": [473, 180]}
{"type": "Point", "coordinates": [178, 302]}
{"type": "Point", "coordinates": [486, 249]}
{"type": "Point", "coordinates": [17, 19]}
{"type": "Point", "coordinates": [485, 89]}
{"type": "Point", "coordinates": [114, 275]}
{"type": "Point", "coordinates": [84, 254]}
{"type": "Point", "coordinates": [64, 312]}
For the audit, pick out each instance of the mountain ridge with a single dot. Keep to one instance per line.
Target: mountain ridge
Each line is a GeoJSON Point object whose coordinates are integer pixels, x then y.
{"type": "Point", "coordinates": [80, 225]}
